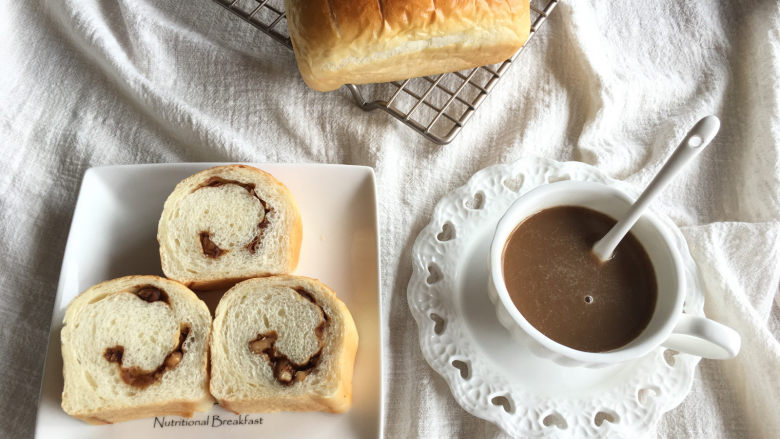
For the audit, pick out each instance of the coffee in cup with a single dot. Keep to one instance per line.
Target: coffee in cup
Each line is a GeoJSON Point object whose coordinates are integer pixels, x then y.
{"type": "Point", "coordinates": [566, 292]}
{"type": "Point", "coordinates": [575, 333]}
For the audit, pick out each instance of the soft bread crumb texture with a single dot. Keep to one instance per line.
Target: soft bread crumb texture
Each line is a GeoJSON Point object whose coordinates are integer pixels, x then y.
{"type": "Point", "coordinates": [111, 314]}
{"type": "Point", "coordinates": [365, 41]}
{"type": "Point", "coordinates": [232, 217]}
{"type": "Point", "coordinates": [243, 381]}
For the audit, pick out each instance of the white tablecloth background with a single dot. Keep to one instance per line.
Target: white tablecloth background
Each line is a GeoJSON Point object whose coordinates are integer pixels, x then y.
{"type": "Point", "coordinates": [614, 84]}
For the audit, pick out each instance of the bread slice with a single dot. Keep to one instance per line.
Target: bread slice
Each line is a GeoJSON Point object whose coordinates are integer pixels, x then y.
{"type": "Point", "coordinates": [135, 347]}
{"type": "Point", "coordinates": [282, 343]}
{"type": "Point", "coordinates": [364, 41]}
{"type": "Point", "coordinates": [226, 224]}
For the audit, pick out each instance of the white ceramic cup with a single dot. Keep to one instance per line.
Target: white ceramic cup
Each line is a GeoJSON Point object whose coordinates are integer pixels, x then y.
{"type": "Point", "coordinates": [668, 326]}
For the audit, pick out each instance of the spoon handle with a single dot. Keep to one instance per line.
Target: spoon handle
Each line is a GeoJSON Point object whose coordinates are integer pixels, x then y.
{"type": "Point", "coordinates": [694, 142]}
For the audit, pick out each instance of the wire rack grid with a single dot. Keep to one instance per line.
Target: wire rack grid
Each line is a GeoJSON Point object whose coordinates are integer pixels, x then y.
{"type": "Point", "coordinates": [435, 106]}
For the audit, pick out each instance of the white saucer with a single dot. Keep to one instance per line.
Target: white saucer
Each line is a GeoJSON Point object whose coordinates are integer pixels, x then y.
{"type": "Point", "coordinates": [493, 377]}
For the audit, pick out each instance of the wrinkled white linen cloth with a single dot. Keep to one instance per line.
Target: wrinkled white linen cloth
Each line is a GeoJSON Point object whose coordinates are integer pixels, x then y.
{"type": "Point", "coordinates": [616, 85]}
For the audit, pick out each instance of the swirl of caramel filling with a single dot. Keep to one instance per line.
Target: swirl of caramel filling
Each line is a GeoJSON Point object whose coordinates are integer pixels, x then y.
{"type": "Point", "coordinates": [285, 370]}
{"type": "Point", "coordinates": [137, 377]}
{"type": "Point", "coordinates": [209, 247]}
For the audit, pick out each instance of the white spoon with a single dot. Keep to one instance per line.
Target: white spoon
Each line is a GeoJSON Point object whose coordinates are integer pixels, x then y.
{"type": "Point", "coordinates": [697, 139]}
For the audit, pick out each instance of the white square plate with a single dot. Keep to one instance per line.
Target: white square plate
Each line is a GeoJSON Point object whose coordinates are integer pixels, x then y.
{"type": "Point", "coordinates": [114, 232]}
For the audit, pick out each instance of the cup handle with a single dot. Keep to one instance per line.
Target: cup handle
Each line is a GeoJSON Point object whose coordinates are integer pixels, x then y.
{"type": "Point", "coordinates": [704, 337]}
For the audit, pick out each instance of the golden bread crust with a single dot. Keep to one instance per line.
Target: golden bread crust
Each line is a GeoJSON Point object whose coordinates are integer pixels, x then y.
{"type": "Point", "coordinates": [366, 41]}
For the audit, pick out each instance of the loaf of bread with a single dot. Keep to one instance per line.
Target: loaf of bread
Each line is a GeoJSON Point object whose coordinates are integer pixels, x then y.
{"type": "Point", "coordinates": [135, 347]}
{"type": "Point", "coordinates": [226, 224]}
{"type": "Point", "coordinates": [364, 41]}
{"type": "Point", "coordinates": [282, 343]}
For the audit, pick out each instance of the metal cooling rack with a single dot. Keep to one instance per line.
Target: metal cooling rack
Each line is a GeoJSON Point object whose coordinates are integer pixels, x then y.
{"type": "Point", "coordinates": [435, 106]}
